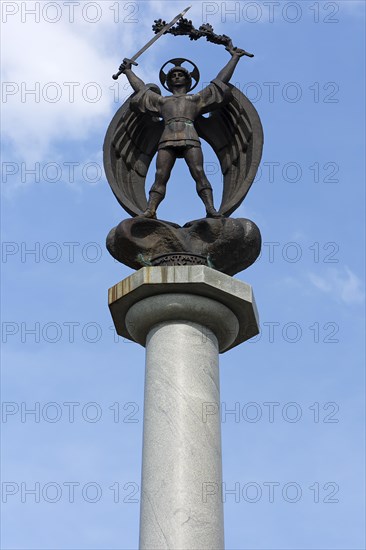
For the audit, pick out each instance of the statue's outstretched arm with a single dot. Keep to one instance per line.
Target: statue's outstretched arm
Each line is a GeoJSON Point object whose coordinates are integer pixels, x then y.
{"type": "Point", "coordinates": [227, 72]}
{"type": "Point", "coordinates": [136, 82]}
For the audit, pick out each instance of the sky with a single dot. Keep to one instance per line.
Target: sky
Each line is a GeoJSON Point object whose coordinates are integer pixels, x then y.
{"type": "Point", "coordinates": [293, 443]}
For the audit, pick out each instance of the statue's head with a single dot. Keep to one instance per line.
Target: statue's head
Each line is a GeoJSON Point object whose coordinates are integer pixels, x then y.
{"type": "Point", "coordinates": [179, 77]}
{"type": "Point", "coordinates": [178, 74]}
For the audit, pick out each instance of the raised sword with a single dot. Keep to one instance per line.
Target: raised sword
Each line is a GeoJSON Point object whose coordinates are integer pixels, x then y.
{"type": "Point", "coordinates": [144, 48]}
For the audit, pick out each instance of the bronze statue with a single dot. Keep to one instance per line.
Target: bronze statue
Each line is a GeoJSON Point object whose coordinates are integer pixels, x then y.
{"type": "Point", "coordinates": [171, 126]}
{"type": "Point", "coordinates": [179, 111]}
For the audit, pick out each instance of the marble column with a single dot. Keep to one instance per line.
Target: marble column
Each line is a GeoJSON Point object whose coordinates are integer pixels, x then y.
{"type": "Point", "coordinates": [184, 316]}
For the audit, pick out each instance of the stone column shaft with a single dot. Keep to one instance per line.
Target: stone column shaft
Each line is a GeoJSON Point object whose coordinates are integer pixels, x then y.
{"type": "Point", "coordinates": [184, 316]}
{"type": "Point", "coordinates": [182, 445]}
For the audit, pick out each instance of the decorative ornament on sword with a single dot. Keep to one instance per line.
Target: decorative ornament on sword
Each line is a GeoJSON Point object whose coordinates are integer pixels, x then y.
{"type": "Point", "coordinates": [184, 28]}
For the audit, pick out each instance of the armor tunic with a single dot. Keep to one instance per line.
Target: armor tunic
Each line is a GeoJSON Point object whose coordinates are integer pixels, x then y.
{"type": "Point", "coordinates": [180, 111]}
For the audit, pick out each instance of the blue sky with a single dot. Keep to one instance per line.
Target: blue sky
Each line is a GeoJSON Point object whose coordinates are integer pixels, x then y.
{"type": "Point", "coordinates": [307, 81]}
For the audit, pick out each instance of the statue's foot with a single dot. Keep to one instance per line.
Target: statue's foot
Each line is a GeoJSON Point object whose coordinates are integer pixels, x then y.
{"type": "Point", "coordinates": [213, 214]}
{"type": "Point", "coordinates": [149, 214]}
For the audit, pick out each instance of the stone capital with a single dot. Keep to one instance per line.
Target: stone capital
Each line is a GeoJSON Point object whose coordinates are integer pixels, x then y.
{"type": "Point", "coordinates": [197, 294]}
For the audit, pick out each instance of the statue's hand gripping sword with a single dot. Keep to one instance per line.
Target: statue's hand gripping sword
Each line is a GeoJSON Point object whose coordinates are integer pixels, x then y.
{"type": "Point", "coordinates": [163, 30]}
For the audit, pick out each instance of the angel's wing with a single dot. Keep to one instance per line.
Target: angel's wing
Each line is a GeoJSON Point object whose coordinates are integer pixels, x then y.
{"type": "Point", "coordinates": [235, 133]}
{"type": "Point", "coordinates": [130, 143]}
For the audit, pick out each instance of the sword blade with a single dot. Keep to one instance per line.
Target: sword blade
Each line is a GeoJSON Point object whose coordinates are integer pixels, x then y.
{"type": "Point", "coordinates": [158, 35]}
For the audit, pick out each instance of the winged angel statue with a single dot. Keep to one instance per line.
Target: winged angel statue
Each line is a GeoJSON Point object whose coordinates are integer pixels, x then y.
{"type": "Point", "coordinates": [170, 127]}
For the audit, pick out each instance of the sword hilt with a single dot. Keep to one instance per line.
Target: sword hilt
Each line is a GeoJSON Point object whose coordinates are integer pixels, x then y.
{"type": "Point", "coordinates": [125, 62]}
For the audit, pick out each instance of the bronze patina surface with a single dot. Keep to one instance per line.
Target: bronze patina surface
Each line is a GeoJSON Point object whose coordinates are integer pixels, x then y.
{"type": "Point", "coordinates": [172, 127]}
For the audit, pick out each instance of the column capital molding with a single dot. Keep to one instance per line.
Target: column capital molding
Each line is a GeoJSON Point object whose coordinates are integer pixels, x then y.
{"type": "Point", "coordinates": [200, 281]}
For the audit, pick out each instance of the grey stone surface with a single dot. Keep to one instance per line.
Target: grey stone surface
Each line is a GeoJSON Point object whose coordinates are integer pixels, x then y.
{"type": "Point", "coordinates": [205, 312]}
{"type": "Point", "coordinates": [183, 316]}
{"type": "Point", "coordinates": [181, 505]}
{"type": "Point", "coordinates": [198, 280]}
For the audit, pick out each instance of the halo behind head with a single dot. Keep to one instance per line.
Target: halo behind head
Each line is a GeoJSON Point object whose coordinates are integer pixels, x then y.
{"type": "Point", "coordinates": [177, 65]}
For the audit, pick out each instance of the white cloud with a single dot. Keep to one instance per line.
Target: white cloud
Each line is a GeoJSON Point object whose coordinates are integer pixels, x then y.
{"type": "Point", "coordinates": [343, 285]}
{"type": "Point", "coordinates": [47, 57]}
{"type": "Point", "coordinates": [36, 54]}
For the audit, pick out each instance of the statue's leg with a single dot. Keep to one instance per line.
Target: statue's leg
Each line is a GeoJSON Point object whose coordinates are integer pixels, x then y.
{"type": "Point", "coordinates": [194, 159]}
{"type": "Point", "coordinates": [164, 163]}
